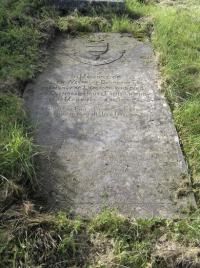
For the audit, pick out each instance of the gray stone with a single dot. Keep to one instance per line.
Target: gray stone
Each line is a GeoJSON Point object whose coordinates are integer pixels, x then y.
{"type": "Point", "coordinates": [107, 128]}
{"type": "Point", "coordinates": [116, 5]}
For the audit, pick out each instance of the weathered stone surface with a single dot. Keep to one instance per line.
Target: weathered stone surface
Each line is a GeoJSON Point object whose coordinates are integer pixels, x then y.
{"type": "Point", "coordinates": [87, 4]}
{"type": "Point", "coordinates": [107, 129]}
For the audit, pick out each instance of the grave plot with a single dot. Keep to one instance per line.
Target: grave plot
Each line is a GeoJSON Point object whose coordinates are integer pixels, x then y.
{"type": "Point", "coordinates": [107, 128]}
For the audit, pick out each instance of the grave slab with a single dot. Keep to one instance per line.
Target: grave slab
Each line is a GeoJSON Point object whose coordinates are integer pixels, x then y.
{"type": "Point", "coordinates": [108, 131]}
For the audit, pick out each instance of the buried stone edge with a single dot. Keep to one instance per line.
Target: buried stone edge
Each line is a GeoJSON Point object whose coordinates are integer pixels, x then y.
{"type": "Point", "coordinates": [114, 5]}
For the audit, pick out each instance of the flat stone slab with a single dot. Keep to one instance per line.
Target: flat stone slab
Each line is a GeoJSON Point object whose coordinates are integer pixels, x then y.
{"type": "Point", "coordinates": [107, 128]}
{"type": "Point", "coordinates": [87, 4]}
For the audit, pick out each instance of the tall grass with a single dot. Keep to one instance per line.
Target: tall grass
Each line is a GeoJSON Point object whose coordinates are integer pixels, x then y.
{"type": "Point", "coordinates": [177, 39]}
{"type": "Point", "coordinates": [108, 22]}
{"type": "Point", "coordinates": [108, 240]}
{"type": "Point", "coordinates": [24, 26]}
{"type": "Point", "coordinates": [187, 118]}
{"type": "Point", "coordinates": [16, 148]}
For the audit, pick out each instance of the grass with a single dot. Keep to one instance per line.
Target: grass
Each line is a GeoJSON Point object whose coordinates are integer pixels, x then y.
{"type": "Point", "coordinates": [187, 118]}
{"type": "Point", "coordinates": [24, 26]}
{"type": "Point", "coordinates": [179, 53]}
{"type": "Point", "coordinates": [16, 150]}
{"type": "Point", "coordinates": [108, 240]}
{"type": "Point", "coordinates": [75, 23]}
{"type": "Point", "coordinates": [29, 238]}
{"type": "Point", "coordinates": [176, 40]}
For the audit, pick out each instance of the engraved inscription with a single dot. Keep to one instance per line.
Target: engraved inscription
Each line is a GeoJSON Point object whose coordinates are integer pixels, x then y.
{"type": "Point", "coordinates": [103, 93]}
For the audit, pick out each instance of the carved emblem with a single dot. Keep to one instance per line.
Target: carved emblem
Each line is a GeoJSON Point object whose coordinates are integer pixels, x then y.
{"type": "Point", "coordinates": [97, 53]}
{"type": "Point", "coordinates": [98, 50]}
